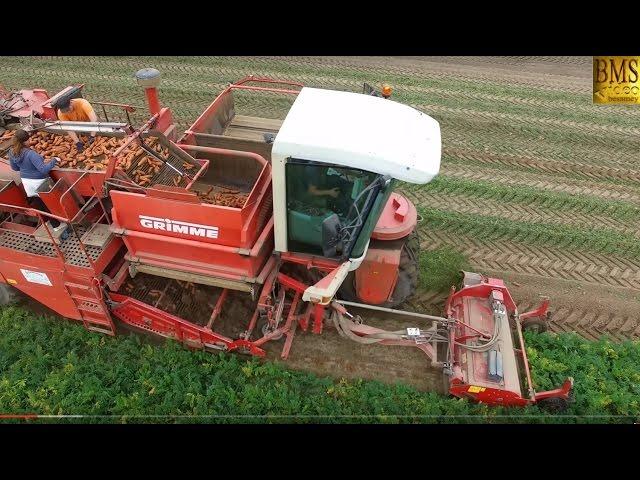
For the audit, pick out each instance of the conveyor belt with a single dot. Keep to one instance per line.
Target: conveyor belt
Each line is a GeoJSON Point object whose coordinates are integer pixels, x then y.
{"type": "Point", "coordinates": [166, 175]}
{"type": "Point", "coordinates": [172, 172]}
{"type": "Point", "coordinates": [187, 300]}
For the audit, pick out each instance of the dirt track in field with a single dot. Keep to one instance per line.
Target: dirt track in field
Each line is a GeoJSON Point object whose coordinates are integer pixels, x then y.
{"type": "Point", "coordinates": [329, 354]}
{"type": "Point", "coordinates": [524, 123]}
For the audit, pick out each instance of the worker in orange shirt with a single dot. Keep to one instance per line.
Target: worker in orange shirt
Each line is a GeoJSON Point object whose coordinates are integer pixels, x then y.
{"type": "Point", "coordinates": [77, 110]}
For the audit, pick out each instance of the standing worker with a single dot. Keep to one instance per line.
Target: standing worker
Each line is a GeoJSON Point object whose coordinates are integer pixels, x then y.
{"type": "Point", "coordinates": [33, 173]}
{"type": "Point", "coordinates": [76, 110]}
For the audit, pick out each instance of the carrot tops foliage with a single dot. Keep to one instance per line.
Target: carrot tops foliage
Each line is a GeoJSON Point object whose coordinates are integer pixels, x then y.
{"type": "Point", "coordinates": [51, 367]}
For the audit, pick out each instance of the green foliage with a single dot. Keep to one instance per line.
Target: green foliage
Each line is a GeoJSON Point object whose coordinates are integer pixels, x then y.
{"type": "Point", "coordinates": [440, 268]}
{"type": "Point", "coordinates": [606, 374]}
{"type": "Point", "coordinates": [51, 367]}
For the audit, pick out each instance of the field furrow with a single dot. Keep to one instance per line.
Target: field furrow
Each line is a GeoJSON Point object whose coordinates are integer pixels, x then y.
{"type": "Point", "coordinates": [482, 206]}
{"type": "Point", "coordinates": [550, 262]}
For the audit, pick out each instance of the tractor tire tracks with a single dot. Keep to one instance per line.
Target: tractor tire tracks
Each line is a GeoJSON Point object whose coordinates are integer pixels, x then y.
{"type": "Point", "coordinates": [518, 212]}
{"type": "Point", "coordinates": [551, 262]}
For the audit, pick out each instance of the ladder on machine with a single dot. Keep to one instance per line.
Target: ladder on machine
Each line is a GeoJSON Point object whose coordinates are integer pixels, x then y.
{"type": "Point", "coordinates": [94, 312]}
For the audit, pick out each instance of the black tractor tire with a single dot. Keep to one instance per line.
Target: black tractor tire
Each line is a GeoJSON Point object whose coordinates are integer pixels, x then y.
{"type": "Point", "coordinates": [263, 329]}
{"type": "Point", "coordinates": [446, 384]}
{"type": "Point", "coordinates": [536, 325]}
{"type": "Point", "coordinates": [7, 294]}
{"type": "Point", "coordinates": [407, 276]}
{"type": "Point", "coordinates": [554, 404]}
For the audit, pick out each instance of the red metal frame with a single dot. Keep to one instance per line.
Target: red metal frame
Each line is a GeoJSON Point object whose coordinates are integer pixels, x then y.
{"type": "Point", "coordinates": [146, 317]}
{"type": "Point", "coordinates": [218, 308]}
{"type": "Point", "coordinates": [73, 291]}
{"type": "Point", "coordinates": [34, 100]}
{"type": "Point", "coordinates": [198, 125]}
{"type": "Point", "coordinates": [484, 393]}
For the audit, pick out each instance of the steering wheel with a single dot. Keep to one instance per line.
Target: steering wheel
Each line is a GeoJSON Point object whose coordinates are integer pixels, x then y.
{"type": "Point", "coordinates": [332, 172]}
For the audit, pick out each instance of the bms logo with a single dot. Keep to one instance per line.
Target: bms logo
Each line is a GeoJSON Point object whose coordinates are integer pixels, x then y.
{"type": "Point", "coordinates": [616, 80]}
{"type": "Point", "coordinates": [175, 226]}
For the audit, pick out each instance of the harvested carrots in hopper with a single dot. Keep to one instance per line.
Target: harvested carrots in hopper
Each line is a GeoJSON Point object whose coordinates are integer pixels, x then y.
{"type": "Point", "coordinates": [94, 157]}
{"type": "Point", "coordinates": [97, 155]}
{"type": "Point", "coordinates": [224, 196]}
{"type": "Point", "coordinates": [7, 135]}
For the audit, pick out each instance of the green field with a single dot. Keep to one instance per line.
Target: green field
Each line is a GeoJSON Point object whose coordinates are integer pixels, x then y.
{"type": "Point", "coordinates": [537, 186]}
{"type": "Point", "coordinates": [57, 369]}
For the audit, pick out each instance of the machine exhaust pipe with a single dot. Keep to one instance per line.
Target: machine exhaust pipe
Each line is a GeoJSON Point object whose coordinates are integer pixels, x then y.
{"type": "Point", "coordinates": [149, 79]}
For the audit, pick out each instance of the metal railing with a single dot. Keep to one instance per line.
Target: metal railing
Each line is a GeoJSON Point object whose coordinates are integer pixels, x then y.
{"type": "Point", "coordinates": [81, 210]}
{"type": "Point", "coordinates": [125, 109]}
{"type": "Point", "coordinates": [43, 218]}
{"type": "Point", "coordinates": [240, 85]}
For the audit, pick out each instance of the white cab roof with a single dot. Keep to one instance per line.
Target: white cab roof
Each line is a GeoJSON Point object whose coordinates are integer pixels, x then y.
{"type": "Point", "coordinates": [361, 131]}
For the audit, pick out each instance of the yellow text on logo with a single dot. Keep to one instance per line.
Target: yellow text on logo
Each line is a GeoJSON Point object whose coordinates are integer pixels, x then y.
{"type": "Point", "coordinates": [616, 80]}
{"type": "Point", "coordinates": [475, 389]}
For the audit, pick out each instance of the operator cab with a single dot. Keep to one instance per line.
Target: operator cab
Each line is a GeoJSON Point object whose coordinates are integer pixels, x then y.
{"type": "Point", "coordinates": [334, 161]}
{"type": "Point", "coordinates": [321, 199]}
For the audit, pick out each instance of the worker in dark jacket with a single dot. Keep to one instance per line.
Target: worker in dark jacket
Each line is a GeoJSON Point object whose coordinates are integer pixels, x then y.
{"type": "Point", "coordinates": [33, 173]}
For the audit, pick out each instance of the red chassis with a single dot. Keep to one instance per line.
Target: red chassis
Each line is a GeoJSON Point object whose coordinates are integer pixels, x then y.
{"type": "Point", "coordinates": [484, 309]}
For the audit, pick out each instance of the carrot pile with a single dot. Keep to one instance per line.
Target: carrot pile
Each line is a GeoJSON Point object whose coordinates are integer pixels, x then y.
{"type": "Point", "coordinates": [224, 196]}
{"type": "Point", "coordinates": [93, 157]}
{"type": "Point", "coordinates": [147, 166]}
{"type": "Point", "coordinates": [7, 135]}
{"type": "Point", "coordinates": [96, 156]}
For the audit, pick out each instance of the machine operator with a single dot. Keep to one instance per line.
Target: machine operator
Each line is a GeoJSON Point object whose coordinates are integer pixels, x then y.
{"type": "Point", "coordinates": [77, 110]}
{"type": "Point", "coordinates": [325, 189]}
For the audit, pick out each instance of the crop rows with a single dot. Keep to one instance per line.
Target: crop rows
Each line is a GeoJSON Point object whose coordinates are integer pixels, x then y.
{"type": "Point", "coordinates": [543, 261]}
{"type": "Point", "coordinates": [526, 196]}
{"type": "Point", "coordinates": [518, 177]}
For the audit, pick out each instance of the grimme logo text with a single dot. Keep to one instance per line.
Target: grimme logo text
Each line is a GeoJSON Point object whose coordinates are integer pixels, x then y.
{"type": "Point", "coordinates": [175, 226]}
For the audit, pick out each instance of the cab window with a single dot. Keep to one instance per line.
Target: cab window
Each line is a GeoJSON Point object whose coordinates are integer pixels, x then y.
{"type": "Point", "coordinates": [316, 191]}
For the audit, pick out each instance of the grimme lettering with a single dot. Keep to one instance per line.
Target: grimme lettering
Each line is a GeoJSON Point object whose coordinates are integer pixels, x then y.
{"type": "Point", "coordinates": [175, 226]}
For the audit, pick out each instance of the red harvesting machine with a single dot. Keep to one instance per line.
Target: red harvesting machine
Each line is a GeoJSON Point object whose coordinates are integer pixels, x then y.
{"type": "Point", "coordinates": [293, 223]}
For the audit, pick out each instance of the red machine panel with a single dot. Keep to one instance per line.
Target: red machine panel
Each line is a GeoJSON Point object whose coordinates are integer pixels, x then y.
{"type": "Point", "coordinates": [377, 275]}
{"type": "Point", "coordinates": [28, 101]}
{"type": "Point", "coordinates": [41, 279]}
{"type": "Point", "coordinates": [12, 194]}
{"type": "Point", "coordinates": [179, 219]}
{"type": "Point", "coordinates": [397, 220]}
{"type": "Point", "coordinates": [59, 200]}
{"type": "Point", "coordinates": [192, 229]}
